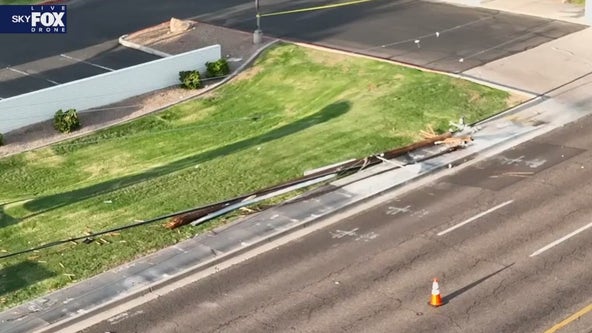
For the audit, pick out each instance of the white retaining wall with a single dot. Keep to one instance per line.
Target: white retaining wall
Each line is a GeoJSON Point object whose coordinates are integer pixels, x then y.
{"type": "Point", "coordinates": [102, 89]}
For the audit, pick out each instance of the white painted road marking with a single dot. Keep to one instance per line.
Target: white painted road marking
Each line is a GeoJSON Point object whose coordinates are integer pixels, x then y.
{"type": "Point", "coordinates": [366, 237]}
{"type": "Point", "coordinates": [341, 233]}
{"type": "Point", "coordinates": [87, 62]}
{"type": "Point", "coordinates": [510, 161]}
{"type": "Point", "coordinates": [27, 74]}
{"type": "Point", "coordinates": [560, 240]}
{"type": "Point", "coordinates": [396, 210]}
{"type": "Point", "coordinates": [475, 217]}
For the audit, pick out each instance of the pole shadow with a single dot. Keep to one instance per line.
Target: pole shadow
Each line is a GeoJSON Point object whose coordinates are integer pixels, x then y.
{"type": "Point", "coordinates": [44, 204]}
{"type": "Point", "coordinates": [22, 275]}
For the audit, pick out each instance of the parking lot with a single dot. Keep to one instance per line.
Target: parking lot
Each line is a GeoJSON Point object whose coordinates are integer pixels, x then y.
{"type": "Point", "coordinates": [66, 67]}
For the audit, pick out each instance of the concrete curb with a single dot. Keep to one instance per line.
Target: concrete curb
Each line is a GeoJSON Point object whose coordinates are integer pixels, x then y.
{"type": "Point", "coordinates": [527, 94]}
{"type": "Point", "coordinates": [464, 160]}
{"type": "Point", "coordinates": [198, 95]}
{"type": "Point", "coordinates": [142, 48]}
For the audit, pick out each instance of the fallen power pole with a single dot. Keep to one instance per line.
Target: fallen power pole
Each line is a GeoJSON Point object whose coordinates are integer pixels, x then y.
{"type": "Point", "coordinates": [199, 213]}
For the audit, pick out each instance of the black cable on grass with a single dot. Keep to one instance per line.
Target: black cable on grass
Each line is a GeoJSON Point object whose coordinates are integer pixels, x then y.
{"type": "Point", "coordinates": [87, 239]}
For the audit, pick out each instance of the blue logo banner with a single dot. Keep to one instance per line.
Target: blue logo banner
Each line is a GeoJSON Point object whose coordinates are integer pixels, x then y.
{"type": "Point", "coordinates": [33, 19]}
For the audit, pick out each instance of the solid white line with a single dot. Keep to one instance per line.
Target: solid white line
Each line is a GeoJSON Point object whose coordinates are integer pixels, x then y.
{"type": "Point", "coordinates": [475, 217]}
{"type": "Point", "coordinates": [87, 62]}
{"type": "Point", "coordinates": [543, 249]}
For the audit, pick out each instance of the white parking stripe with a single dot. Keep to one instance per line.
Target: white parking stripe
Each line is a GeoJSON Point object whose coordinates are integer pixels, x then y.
{"type": "Point", "coordinates": [475, 217]}
{"type": "Point", "coordinates": [87, 62]}
{"type": "Point", "coordinates": [18, 71]}
{"type": "Point", "coordinates": [560, 240]}
{"type": "Point", "coordinates": [27, 74]}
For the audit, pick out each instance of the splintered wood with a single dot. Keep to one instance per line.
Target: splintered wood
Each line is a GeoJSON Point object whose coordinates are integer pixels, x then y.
{"type": "Point", "coordinates": [429, 133]}
{"type": "Point", "coordinates": [456, 142]}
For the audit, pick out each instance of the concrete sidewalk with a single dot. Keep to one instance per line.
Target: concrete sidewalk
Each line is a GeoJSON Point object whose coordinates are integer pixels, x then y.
{"type": "Point", "coordinates": [164, 267]}
{"type": "Point", "coordinates": [552, 9]}
{"type": "Point", "coordinates": [55, 312]}
{"type": "Point", "coordinates": [542, 69]}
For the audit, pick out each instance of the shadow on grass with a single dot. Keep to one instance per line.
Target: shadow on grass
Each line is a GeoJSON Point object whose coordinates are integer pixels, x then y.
{"type": "Point", "coordinates": [21, 275]}
{"type": "Point", "coordinates": [47, 203]}
{"type": "Point", "coordinates": [5, 219]}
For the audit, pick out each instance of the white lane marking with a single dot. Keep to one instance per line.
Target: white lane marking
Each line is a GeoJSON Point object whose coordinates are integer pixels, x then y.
{"type": "Point", "coordinates": [87, 62]}
{"type": "Point", "coordinates": [560, 240]}
{"type": "Point", "coordinates": [341, 233]}
{"type": "Point", "coordinates": [367, 237]}
{"type": "Point", "coordinates": [27, 74]}
{"type": "Point", "coordinates": [475, 217]}
{"type": "Point", "coordinates": [396, 210]}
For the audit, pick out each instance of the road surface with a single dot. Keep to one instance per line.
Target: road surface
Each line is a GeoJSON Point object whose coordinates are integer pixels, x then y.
{"type": "Point", "coordinates": [433, 35]}
{"type": "Point", "coordinates": [508, 237]}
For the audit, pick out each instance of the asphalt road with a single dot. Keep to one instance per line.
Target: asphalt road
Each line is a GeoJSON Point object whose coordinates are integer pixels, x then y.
{"type": "Point", "coordinates": [433, 35]}
{"type": "Point", "coordinates": [509, 238]}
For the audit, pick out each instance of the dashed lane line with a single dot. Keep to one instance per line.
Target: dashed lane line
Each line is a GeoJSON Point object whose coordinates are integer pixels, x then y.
{"type": "Point", "coordinates": [475, 218]}
{"type": "Point", "coordinates": [561, 240]}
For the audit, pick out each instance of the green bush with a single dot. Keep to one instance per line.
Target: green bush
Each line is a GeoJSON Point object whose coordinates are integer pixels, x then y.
{"type": "Point", "coordinates": [217, 68]}
{"type": "Point", "coordinates": [1, 139]}
{"type": "Point", "coordinates": [190, 79]}
{"type": "Point", "coordinates": [66, 122]}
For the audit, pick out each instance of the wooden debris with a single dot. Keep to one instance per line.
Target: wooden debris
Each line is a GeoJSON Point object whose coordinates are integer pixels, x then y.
{"type": "Point", "coordinates": [248, 210]}
{"type": "Point", "coordinates": [455, 142]}
{"type": "Point", "coordinates": [429, 134]}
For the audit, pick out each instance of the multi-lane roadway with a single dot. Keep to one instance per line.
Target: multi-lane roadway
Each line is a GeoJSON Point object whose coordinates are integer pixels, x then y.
{"type": "Point", "coordinates": [508, 237]}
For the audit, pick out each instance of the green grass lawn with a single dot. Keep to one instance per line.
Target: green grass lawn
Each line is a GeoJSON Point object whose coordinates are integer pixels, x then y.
{"type": "Point", "coordinates": [294, 110]}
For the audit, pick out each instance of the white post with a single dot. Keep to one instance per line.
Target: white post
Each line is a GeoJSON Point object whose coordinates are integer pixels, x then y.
{"type": "Point", "coordinates": [588, 11]}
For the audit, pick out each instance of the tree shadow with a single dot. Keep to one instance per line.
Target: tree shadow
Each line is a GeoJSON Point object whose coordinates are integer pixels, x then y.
{"type": "Point", "coordinates": [21, 275]}
{"type": "Point", "coordinates": [466, 288]}
{"type": "Point", "coordinates": [44, 204]}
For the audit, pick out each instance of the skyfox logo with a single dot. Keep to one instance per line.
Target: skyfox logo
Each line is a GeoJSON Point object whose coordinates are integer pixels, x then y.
{"type": "Point", "coordinates": [44, 19]}
{"type": "Point", "coordinates": [47, 19]}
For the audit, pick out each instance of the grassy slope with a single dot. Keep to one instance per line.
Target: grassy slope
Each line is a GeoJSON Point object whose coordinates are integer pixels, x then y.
{"type": "Point", "coordinates": [296, 109]}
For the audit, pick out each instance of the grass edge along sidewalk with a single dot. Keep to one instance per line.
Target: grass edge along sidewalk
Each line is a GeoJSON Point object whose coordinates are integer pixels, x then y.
{"type": "Point", "coordinates": [295, 109]}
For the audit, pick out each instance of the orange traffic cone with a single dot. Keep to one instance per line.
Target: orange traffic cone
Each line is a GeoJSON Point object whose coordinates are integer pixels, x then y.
{"type": "Point", "coordinates": [436, 299]}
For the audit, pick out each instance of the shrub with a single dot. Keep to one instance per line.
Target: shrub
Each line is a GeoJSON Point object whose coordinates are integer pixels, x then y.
{"type": "Point", "coordinates": [1, 139]}
{"type": "Point", "coordinates": [190, 79]}
{"type": "Point", "coordinates": [217, 68]}
{"type": "Point", "coordinates": [66, 122]}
